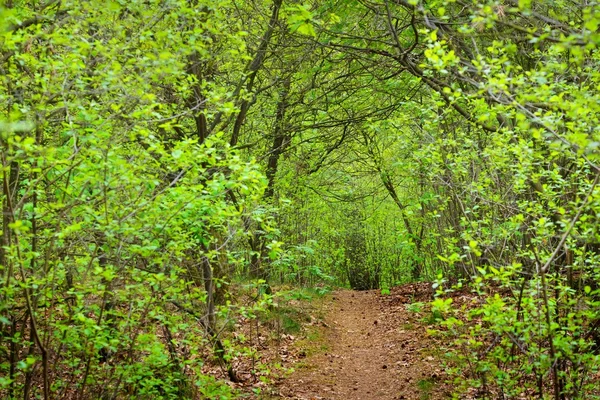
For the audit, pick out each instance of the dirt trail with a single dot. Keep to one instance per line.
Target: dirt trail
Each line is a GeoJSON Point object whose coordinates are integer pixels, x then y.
{"type": "Point", "coordinates": [372, 348]}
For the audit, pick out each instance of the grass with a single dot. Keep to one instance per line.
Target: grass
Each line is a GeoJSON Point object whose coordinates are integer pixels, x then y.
{"type": "Point", "coordinates": [313, 343]}
{"type": "Point", "coordinates": [425, 387]}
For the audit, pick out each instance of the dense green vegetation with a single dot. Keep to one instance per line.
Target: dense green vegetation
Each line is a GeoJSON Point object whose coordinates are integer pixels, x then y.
{"type": "Point", "coordinates": [156, 154]}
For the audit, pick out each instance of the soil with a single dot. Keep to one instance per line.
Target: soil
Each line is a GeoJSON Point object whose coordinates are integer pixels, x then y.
{"type": "Point", "coordinates": [369, 346]}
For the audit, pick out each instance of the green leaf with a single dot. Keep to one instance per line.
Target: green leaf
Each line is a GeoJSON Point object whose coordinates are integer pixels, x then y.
{"type": "Point", "coordinates": [306, 29]}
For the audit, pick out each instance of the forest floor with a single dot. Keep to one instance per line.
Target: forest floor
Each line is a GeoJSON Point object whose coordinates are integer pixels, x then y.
{"type": "Point", "coordinates": [368, 346]}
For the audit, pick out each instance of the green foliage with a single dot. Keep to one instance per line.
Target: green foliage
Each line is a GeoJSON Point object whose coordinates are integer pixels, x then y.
{"type": "Point", "coordinates": [110, 207]}
{"type": "Point", "coordinates": [154, 152]}
{"type": "Point", "coordinates": [533, 335]}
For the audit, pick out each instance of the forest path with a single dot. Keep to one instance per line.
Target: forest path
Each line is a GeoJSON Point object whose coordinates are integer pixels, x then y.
{"type": "Point", "coordinates": [370, 347]}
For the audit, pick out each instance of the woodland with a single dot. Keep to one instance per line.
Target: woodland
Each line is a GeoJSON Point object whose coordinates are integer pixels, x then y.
{"type": "Point", "coordinates": [175, 170]}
